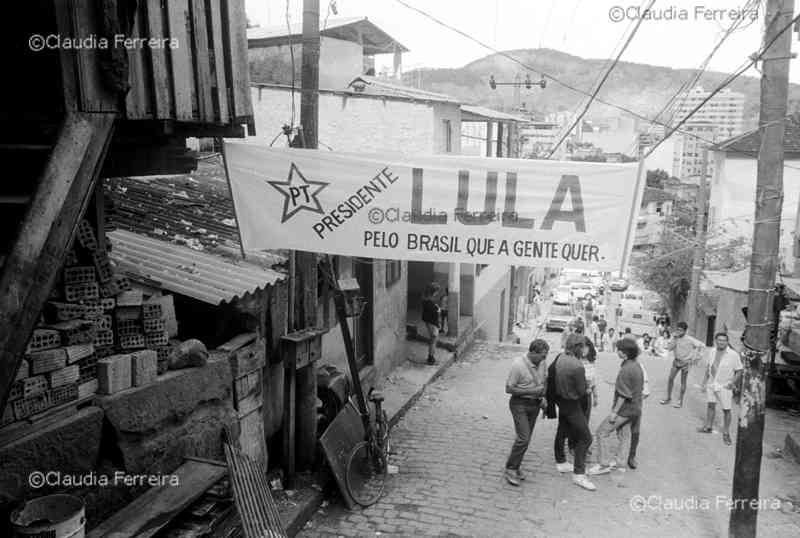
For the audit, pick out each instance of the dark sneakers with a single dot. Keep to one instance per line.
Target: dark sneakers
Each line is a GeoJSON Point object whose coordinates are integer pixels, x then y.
{"type": "Point", "coordinates": [431, 360]}
{"type": "Point", "coordinates": [632, 463]}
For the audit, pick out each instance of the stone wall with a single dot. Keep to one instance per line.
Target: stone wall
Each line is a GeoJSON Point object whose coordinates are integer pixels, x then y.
{"type": "Point", "coordinates": [182, 414]}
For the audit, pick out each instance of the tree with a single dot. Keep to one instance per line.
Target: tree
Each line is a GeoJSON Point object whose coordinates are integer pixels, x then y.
{"type": "Point", "coordinates": [668, 272]}
{"type": "Point", "coordinates": [656, 178]}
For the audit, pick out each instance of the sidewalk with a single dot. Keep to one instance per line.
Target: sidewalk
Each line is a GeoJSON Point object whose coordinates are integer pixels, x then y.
{"type": "Point", "coordinates": [402, 388]}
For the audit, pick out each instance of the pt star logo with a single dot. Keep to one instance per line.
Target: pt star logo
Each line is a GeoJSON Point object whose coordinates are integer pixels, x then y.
{"type": "Point", "coordinates": [299, 193]}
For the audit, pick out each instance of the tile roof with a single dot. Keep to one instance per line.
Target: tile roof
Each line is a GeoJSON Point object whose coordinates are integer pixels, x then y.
{"type": "Point", "coordinates": [373, 38]}
{"type": "Point", "coordinates": [180, 269]}
{"type": "Point", "coordinates": [740, 281]}
{"type": "Point", "coordinates": [652, 194]}
{"type": "Point", "coordinates": [749, 143]}
{"type": "Point", "coordinates": [193, 210]}
{"type": "Point", "coordinates": [381, 87]}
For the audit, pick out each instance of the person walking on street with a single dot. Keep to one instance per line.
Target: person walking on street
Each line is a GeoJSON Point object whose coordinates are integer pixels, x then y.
{"type": "Point", "coordinates": [443, 303]}
{"type": "Point", "coordinates": [590, 398]}
{"type": "Point", "coordinates": [634, 428]}
{"type": "Point", "coordinates": [723, 374]}
{"type": "Point", "coordinates": [626, 408]}
{"type": "Point", "coordinates": [526, 384]}
{"type": "Point", "coordinates": [612, 338]}
{"type": "Point", "coordinates": [600, 335]}
{"type": "Point", "coordinates": [685, 349]}
{"type": "Point", "coordinates": [628, 335]}
{"type": "Point", "coordinates": [567, 386]}
{"type": "Point", "coordinates": [430, 316]}
{"type": "Point", "coordinates": [588, 316]}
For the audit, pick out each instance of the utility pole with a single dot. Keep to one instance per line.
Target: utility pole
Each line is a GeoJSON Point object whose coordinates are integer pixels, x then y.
{"type": "Point", "coordinates": [763, 264]}
{"type": "Point", "coordinates": [699, 248]}
{"type": "Point", "coordinates": [305, 266]}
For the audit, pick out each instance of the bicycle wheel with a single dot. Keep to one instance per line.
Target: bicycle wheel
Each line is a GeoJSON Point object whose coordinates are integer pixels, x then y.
{"type": "Point", "coordinates": [365, 474]}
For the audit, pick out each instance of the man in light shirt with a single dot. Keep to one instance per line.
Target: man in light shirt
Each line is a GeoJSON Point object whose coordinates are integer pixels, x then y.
{"type": "Point", "coordinates": [723, 373]}
{"type": "Point", "coordinates": [526, 384]}
{"type": "Point", "coordinates": [686, 349]}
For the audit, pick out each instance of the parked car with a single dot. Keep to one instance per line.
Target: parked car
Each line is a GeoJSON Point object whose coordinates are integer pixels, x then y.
{"type": "Point", "coordinates": [559, 317]}
{"type": "Point", "coordinates": [618, 284]}
{"type": "Point", "coordinates": [583, 290]}
{"type": "Point", "coordinates": [562, 295]}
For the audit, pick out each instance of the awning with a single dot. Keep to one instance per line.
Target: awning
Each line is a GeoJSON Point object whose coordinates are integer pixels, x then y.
{"type": "Point", "coordinates": [199, 275]}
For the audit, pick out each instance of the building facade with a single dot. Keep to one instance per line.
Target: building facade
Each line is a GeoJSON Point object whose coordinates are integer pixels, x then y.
{"type": "Point", "coordinates": [733, 189]}
{"type": "Point", "coordinates": [725, 110]}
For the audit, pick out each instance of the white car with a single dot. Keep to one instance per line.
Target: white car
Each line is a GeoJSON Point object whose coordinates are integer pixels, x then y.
{"type": "Point", "coordinates": [562, 295]}
{"type": "Point", "coordinates": [582, 290]}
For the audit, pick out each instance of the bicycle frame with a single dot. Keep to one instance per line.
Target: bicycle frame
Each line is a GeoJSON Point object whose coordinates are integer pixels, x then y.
{"type": "Point", "coordinates": [341, 315]}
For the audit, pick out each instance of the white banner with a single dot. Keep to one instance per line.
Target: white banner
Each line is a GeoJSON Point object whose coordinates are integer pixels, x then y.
{"type": "Point", "coordinates": [435, 208]}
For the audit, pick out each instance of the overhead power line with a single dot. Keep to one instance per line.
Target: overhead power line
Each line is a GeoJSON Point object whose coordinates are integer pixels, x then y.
{"type": "Point", "coordinates": [747, 65]}
{"type": "Point", "coordinates": [603, 80]}
{"type": "Point", "coordinates": [583, 92]}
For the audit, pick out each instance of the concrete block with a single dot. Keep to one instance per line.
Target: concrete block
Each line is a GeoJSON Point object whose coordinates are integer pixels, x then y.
{"type": "Point", "coordinates": [48, 360]}
{"type": "Point", "coordinates": [169, 399]}
{"type": "Point", "coordinates": [64, 376]}
{"type": "Point", "coordinates": [113, 374]}
{"type": "Point", "coordinates": [77, 438]}
{"type": "Point", "coordinates": [144, 367]}
{"type": "Point", "coordinates": [88, 388]}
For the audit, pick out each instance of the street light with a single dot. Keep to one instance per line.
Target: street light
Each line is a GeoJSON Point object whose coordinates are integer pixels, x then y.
{"type": "Point", "coordinates": [542, 83]}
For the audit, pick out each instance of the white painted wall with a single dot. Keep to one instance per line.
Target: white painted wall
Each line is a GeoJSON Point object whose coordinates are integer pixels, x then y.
{"type": "Point", "coordinates": [339, 61]}
{"type": "Point", "coordinates": [732, 202]}
{"type": "Point", "coordinates": [352, 123]}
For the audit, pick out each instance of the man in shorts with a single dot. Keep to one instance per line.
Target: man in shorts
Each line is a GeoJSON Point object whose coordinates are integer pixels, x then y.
{"type": "Point", "coordinates": [723, 373]}
{"type": "Point", "coordinates": [686, 349]}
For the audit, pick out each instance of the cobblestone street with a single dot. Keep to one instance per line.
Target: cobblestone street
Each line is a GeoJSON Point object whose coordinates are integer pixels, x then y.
{"type": "Point", "coordinates": [451, 449]}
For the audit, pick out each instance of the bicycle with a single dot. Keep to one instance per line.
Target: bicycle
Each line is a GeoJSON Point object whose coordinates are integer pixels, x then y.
{"type": "Point", "coordinates": [368, 463]}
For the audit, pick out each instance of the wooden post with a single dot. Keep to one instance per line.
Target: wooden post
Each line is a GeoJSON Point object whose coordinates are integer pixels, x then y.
{"type": "Point", "coordinates": [763, 263]}
{"type": "Point", "coordinates": [488, 138]}
{"type": "Point", "coordinates": [699, 248]}
{"type": "Point", "coordinates": [61, 198]}
{"type": "Point", "coordinates": [306, 266]}
{"type": "Point", "coordinates": [499, 149]}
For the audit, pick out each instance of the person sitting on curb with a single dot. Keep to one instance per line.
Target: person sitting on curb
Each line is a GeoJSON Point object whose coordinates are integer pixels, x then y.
{"type": "Point", "coordinates": [723, 372]}
{"type": "Point", "coordinates": [526, 384]}
{"type": "Point", "coordinates": [626, 408]}
{"type": "Point", "coordinates": [567, 386]}
{"type": "Point", "coordinates": [685, 349]}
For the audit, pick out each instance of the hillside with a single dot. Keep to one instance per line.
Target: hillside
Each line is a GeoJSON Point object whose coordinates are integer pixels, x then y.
{"type": "Point", "coordinates": [639, 87]}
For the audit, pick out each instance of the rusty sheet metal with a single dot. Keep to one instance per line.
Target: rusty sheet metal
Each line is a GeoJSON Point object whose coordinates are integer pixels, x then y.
{"type": "Point", "coordinates": [257, 509]}
{"type": "Point", "coordinates": [200, 275]}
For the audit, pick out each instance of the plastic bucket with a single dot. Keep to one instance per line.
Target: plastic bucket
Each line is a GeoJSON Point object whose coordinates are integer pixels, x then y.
{"type": "Point", "coordinates": [52, 516]}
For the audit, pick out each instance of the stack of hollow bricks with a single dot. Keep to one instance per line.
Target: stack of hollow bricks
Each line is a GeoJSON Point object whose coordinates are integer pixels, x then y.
{"type": "Point", "coordinates": [92, 315]}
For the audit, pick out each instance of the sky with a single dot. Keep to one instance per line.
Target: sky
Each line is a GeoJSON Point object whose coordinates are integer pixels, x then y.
{"type": "Point", "coordinates": [678, 33]}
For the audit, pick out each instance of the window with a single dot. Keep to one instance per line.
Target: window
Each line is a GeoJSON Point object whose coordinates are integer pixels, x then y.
{"type": "Point", "coordinates": [394, 269]}
{"type": "Point", "coordinates": [448, 136]}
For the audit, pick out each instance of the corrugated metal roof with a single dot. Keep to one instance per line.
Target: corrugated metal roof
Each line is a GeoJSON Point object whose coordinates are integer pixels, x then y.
{"type": "Point", "coordinates": [205, 277]}
{"type": "Point", "coordinates": [481, 113]}
{"type": "Point", "coordinates": [355, 29]}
